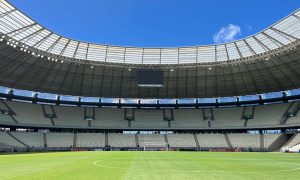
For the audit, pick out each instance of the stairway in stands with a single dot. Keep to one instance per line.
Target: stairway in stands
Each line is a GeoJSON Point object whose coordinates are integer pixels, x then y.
{"type": "Point", "coordinates": [228, 141]}
{"type": "Point", "coordinates": [6, 110]}
{"type": "Point", "coordinates": [17, 139]}
{"type": "Point", "coordinates": [75, 139]}
{"type": "Point", "coordinates": [45, 140]}
{"type": "Point", "coordinates": [168, 115]}
{"type": "Point", "coordinates": [291, 111]}
{"type": "Point", "coordinates": [166, 140]}
{"type": "Point", "coordinates": [262, 142]}
{"type": "Point", "coordinates": [248, 114]}
{"type": "Point", "coordinates": [49, 113]}
{"type": "Point", "coordinates": [197, 141]}
{"type": "Point", "coordinates": [137, 140]}
{"type": "Point", "coordinates": [208, 115]}
{"type": "Point", "coordinates": [129, 116]}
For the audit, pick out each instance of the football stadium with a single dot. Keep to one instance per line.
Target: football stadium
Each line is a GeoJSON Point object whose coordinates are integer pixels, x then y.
{"type": "Point", "coordinates": [77, 110]}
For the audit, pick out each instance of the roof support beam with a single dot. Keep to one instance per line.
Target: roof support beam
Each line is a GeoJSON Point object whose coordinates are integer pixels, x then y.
{"type": "Point", "coordinates": [42, 79]}
{"type": "Point", "coordinates": [41, 41]}
{"type": "Point", "coordinates": [240, 54]}
{"type": "Point", "coordinates": [7, 13]}
{"type": "Point", "coordinates": [75, 52]}
{"type": "Point", "coordinates": [273, 39]}
{"type": "Point", "coordinates": [261, 44]}
{"type": "Point", "coordinates": [21, 29]}
{"type": "Point", "coordinates": [73, 79]}
{"type": "Point", "coordinates": [296, 16]}
{"type": "Point", "coordinates": [280, 69]}
{"type": "Point", "coordinates": [281, 32]}
{"type": "Point", "coordinates": [65, 47]}
{"type": "Point", "coordinates": [23, 75]}
{"type": "Point", "coordinates": [50, 85]}
{"type": "Point", "coordinates": [273, 76]}
{"type": "Point", "coordinates": [52, 45]}
{"type": "Point", "coordinates": [30, 36]}
{"type": "Point", "coordinates": [16, 67]}
{"type": "Point", "coordinates": [234, 80]}
{"type": "Point", "coordinates": [82, 80]}
{"type": "Point", "coordinates": [251, 49]}
{"type": "Point", "coordinates": [252, 78]}
{"type": "Point", "coordinates": [65, 77]}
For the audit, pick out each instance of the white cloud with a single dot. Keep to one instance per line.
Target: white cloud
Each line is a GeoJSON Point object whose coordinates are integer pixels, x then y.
{"type": "Point", "coordinates": [227, 34]}
{"type": "Point", "coordinates": [249, 27]}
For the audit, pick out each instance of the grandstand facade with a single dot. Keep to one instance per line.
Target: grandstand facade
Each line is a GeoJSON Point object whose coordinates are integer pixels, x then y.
{"type": "Point", "coordinates": [66, 94]}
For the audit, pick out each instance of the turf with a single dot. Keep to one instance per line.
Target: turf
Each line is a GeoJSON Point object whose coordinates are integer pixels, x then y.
{"type": "Point", "coordinates": [149, 165]}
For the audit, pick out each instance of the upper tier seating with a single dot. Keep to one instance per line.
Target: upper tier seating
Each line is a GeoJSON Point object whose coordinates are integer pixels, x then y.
{"type": "Point", "coordinates": [151, 140]}
{"type": "Point", "coordinates": [212, 141]}
{"type": "Point", "coordinates": [109, 118]}
{"type": "Point", "coordinates": [228, 117]}
{"type": "Point", "coordinates": [70, 116]}
{"type": "Point", "coordinates": [188, 118]}
{"type": "Point", "coordinates": [181, 140]}
{"type": "Point", "coordinates": [27, 113]}
{"type": "Point", "coordinates": [294, 141]}
{"type": "Point", "coordinates": [149, 118]}
{"type": "Point", "coordinates": [245, 140]}
{"type": "Point", "coordinates": [121, 140]}
{"type": "Point", "coordinates": [114, 118]}
{"type": "Point", "coordinates": [268, 115]}
{"type": "Point", "coordinates": [8, 140]}
{"type": "Point", "coordinates": [269, 139]}
{"type": "Point", "coordinates": [90, 140]}
{"type": "Point", "coordinates": [60, 139]}
{"type": "Point", "coordinates": [32, 139]}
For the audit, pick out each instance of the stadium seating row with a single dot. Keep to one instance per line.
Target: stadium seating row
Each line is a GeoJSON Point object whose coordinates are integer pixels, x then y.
{"type": "Point", "coordinates": [98, 140]}
{"type": "Point", "coordinates": [16, 113]}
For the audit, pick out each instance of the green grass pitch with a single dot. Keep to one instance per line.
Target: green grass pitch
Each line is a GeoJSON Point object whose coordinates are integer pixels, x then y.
{"type": "Point", "coordinates": [149, 165]}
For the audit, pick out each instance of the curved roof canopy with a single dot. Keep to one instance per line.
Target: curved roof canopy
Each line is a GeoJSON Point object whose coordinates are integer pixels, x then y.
{"type": "Point", "coordinates": [36, 59]}
{"type": "Point", "coordinates": [22, 29]}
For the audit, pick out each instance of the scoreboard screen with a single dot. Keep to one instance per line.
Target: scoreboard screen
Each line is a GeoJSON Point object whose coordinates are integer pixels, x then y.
{"type": "Point", "coordinates": [150, 78]}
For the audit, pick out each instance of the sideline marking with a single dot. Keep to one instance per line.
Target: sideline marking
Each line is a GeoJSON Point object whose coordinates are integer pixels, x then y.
{"type": "Point", "coordinates": [96, 163]}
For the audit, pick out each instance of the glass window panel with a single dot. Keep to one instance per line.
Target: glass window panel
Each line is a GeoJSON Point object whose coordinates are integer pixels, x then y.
{"type": "Point", "coordinates": [148, 101]}
{"type": "Point", "coordinates": [206, 100]}
{"type": "Point", "coordinates": [167, 101]}
{"type": "Point", "coordinates": [186, 101]}
{"type": "Point", "coordinates": [115, 54]}
{"type": "Point", "coordinates": [169, 56]}
{"type": "Point", "coordinates": [257, 48]}
{"type": "Point", "coordinates": [70, 49]}
{"type": "Point", "coordinates": [110, 100]}
{"type": "Point", "coordinates": [97, 53]}
{"type": "Point", "coordinates": [81, 51]}
{"type": "Point", "coordinates": [187, 55]}
{"type": "Point", "coordinates": [244, 48]}
{"type": "Point", "coordinates": [89, 100]}
{"type": "Point", "coordinates": [267, 41]}
{"type": "Point", "coordinates": [69, 98]}
{"type": "Point", "coordinates": [221, 53]}
{"type": "Point", "coordinates": [249, 98]}
{"type": "Point", "coordinates": [133, 55]}
{"type": "Point", "coordinates": [206, 54]}
{"type": "Point", "coordinates": [151, 56]}
{"type": "Point", "coordinates": [47, 96]}
{"type": "Point", "coordinates": [129, 101]}
{"type": "Point", "coordinates": [232, 51]}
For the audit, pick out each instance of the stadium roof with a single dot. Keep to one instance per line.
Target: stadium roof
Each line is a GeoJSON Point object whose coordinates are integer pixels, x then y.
{"type": "Point", "coordinates": [34, 58]}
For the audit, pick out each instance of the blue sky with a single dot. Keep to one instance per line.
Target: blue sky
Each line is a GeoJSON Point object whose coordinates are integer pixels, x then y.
{"type": "Point", "coordinates": [156, 23]}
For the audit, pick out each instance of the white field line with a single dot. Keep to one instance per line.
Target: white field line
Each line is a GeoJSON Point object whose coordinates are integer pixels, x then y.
{"type": "Point", "coordinates": [96, 163]}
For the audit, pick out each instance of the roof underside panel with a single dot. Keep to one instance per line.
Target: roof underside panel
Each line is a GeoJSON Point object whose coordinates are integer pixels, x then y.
{"type": "Point", "coordinates": [151, 56]}
{"type": "Point", "coordinates": [206, 54]}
